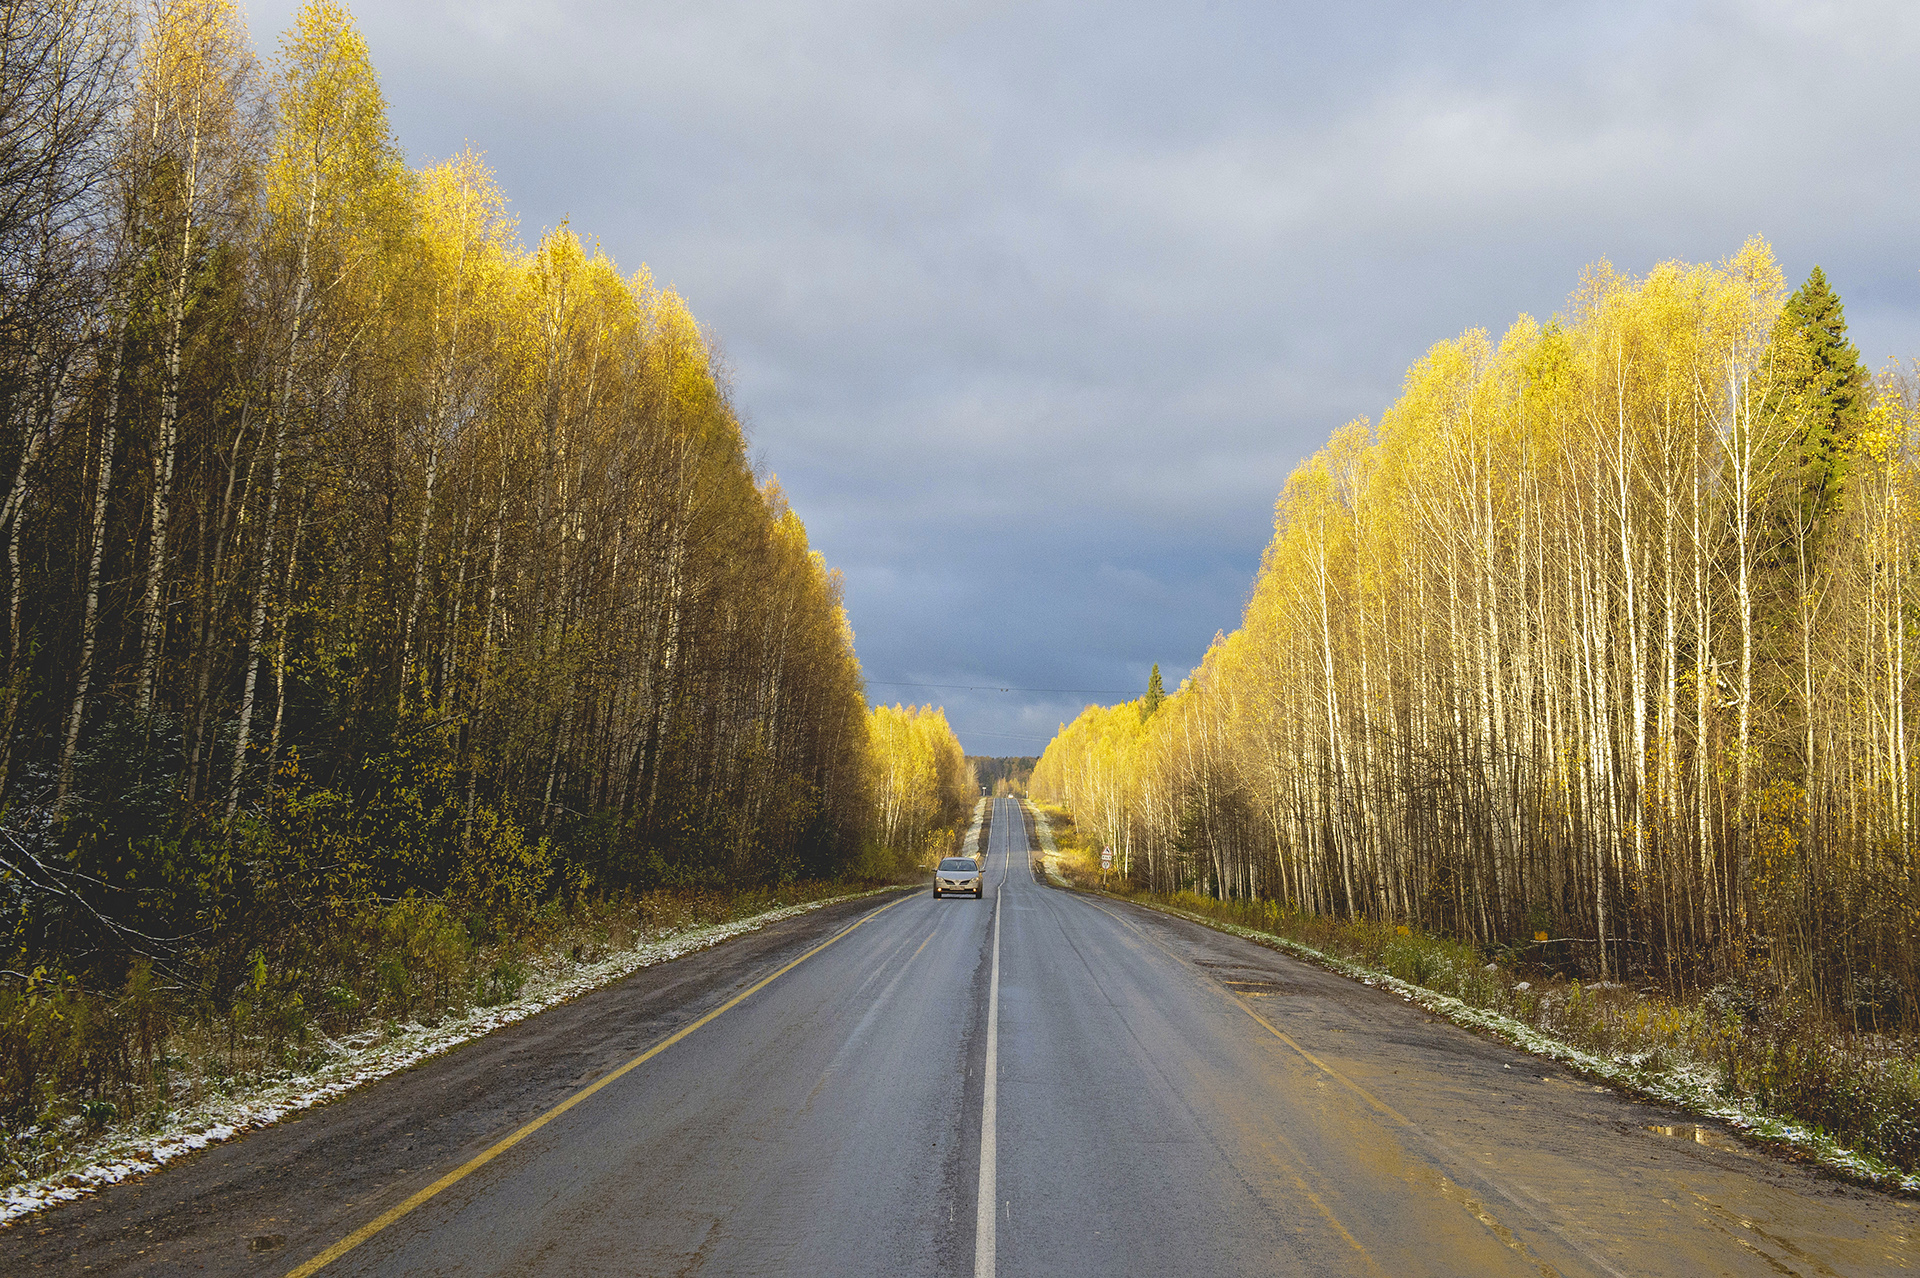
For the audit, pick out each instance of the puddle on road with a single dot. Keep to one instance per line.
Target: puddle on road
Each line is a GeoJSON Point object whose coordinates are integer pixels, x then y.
{"type": "Point", "coordinates": [1253, 983]}
{"type": "Point", "coordinates": [1255, 989]}
{"type": "Point", "coordinates": [1699, 1135]}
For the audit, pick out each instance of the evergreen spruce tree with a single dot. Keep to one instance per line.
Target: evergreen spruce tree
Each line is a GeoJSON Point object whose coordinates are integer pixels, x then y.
{"type": "Point", "coordinates": [1155, 695]}
{"type": "Point", "coordinates": [1825, 385]}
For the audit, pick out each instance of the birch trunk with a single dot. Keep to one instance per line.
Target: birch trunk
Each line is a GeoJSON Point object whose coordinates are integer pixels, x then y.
{"type": "Point", "coordinates": [152, 607]}
{"type": "Point", "coordinates": [90, 618]}
{"type": "Point", "coordinates": [263, 578]}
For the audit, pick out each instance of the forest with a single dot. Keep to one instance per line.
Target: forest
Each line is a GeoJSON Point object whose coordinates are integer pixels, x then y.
{"type": "Point", "coordinates": [1597, 638]}
{"type": "Point", "coordinates": [1003, 774]}
{"type": "Point", "coordinates": [362, 558]}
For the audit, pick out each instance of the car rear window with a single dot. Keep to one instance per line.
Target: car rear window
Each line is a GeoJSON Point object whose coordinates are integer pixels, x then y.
{"type": "Point", "coordinates": [958, 863]}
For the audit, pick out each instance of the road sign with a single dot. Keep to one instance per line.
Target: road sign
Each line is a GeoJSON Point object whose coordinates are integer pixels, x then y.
{"type": "Point", "coordinates": [1106, 858]}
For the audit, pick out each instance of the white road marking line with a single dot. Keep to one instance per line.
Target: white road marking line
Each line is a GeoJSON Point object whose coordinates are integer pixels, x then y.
{"type": "Point", "coordinates": [984, 1214]}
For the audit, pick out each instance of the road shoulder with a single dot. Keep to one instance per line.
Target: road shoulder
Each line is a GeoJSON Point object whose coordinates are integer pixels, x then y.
{"type": "Point", "coordinates": [252, 1203]}
{"type": "Point", "coordinates": [1678, 1095]}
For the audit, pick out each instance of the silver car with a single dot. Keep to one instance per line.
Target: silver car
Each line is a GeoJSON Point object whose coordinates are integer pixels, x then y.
{"type": "Point", "coordinates": [960, 874]}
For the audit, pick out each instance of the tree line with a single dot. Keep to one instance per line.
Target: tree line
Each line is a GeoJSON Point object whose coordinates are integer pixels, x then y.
{"type": "Point", "coordinates": [354, 548]}
{"type": "Point", "coordinates": [1599, 636]}
{"type": "Point", "coordinates": [1003, 774]}
{"type": "Point", "coordinates": [923, 785]}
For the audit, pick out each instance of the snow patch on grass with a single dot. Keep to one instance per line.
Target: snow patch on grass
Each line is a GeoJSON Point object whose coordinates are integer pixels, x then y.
{"type": "Point", "coordinates": [1049, 854]}
{"type": "Point", "coordinates": [972, 846]}
{"type": "Point", "coordinates": [1689, 1086]}
{"type": "Point", "coordinates": [121, 1154]}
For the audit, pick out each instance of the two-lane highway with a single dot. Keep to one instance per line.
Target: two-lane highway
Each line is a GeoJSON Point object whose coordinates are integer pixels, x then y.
{"type": "Point", "coordinates": [828, 1124]}
{"type": "Point", "coordinates": [1037, 1083]}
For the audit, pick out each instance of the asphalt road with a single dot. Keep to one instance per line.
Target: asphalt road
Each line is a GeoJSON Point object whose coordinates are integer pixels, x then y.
{"type": "Point", "coordinates": [1037, 1083]}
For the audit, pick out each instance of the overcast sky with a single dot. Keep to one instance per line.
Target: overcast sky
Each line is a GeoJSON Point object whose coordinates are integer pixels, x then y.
{"type": "Point", "coordinates": [1032, 307]}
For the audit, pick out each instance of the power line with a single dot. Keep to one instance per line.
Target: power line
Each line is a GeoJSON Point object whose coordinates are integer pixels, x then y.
{"type": "Point", "coordinates": [988, 687]}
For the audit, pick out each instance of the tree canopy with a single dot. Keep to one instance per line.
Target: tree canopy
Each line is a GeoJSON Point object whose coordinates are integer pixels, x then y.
{"type": "Point", "coordinates": [356, 545]}
{"type": "Point", "coordinates": [1581, 638]}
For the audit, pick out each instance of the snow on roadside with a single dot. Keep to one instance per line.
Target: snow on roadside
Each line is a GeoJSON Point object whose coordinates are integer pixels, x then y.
{"type": "Point", "coordinates": [1049, 854]}
{"type": "Point", "coordinates": [1690, 1086]}
{"type": "Point", "coordinates": [124, 1153]}
{"type": "Point", "coordinates": [972, 846]}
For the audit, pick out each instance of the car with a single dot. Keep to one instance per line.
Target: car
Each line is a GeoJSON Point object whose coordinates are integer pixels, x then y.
{"type": "Point", "coordinates": [959, 874]}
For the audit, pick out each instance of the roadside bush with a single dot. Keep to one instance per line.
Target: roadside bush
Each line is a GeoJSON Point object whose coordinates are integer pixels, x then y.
{"type": "Point", "coordinates": [35, 1025]}
{"type": "Point", "coordinates": [425, 950]}
{"type": "Point", "coordinates": [501, 982]}
{"type": "Point", "coordinates": [501, 876]}
{"type": "Point", "coordinates": [65, 1051]}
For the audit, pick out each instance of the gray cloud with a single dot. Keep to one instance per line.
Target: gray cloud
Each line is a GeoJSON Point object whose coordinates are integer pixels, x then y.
{"type": "Point", "coordinates": [1032, 307]}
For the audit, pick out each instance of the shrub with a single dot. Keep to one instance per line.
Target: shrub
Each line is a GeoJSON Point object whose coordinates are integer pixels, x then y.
{"type": "Point", "coordinates": [500, 874]}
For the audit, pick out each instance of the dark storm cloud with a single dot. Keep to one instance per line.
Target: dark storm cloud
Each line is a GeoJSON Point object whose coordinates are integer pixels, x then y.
{"type": "Point", "coordinates": [1032, 307]}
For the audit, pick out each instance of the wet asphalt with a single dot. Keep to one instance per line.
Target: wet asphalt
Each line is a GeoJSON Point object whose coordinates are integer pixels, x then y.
{"type": "Point", "coordinates": [1170, 1100]}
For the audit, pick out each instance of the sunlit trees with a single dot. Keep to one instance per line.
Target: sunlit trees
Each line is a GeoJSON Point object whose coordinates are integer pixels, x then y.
{"type": "Point", "coordinates": [352, 540]}
{"type": "Point", "coordinates": [332, 194]}
{"type": "Point", "coordinates": [922, 784]}
{"type": "Point", "coordinates": [193, 151]}
{"type": "Point", "coordinates": [1601, 634]}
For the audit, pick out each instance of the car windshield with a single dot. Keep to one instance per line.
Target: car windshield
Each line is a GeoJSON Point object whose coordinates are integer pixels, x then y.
{"type": "Point", "coordinates": [957, 863]}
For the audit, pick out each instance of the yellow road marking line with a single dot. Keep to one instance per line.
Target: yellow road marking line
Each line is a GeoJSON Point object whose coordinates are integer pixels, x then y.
{"type": "Point", "coordinates": [1448, 1188]}
{"type": "Point", "coordinates": [923, 945]}
{"type": "Point", "coordinates": [1304, 1163]}
{"type": "Point", "coordinates": [487, 1155]}
{"type": "Point", "coordinates": [1322, 1066]}
{"type": "Point", "coordinates": [1233, 997]}
{"type": "Point", "coordinates": [1326, 1213]}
